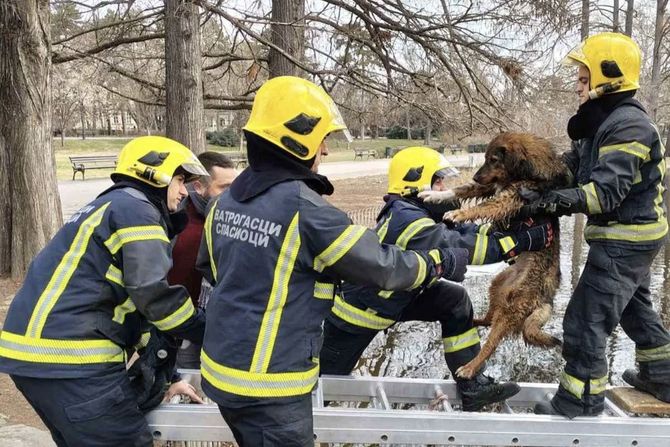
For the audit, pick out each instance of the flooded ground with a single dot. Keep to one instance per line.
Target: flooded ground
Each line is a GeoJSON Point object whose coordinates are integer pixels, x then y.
{"type": "Point", "coordinates": [414, 349]}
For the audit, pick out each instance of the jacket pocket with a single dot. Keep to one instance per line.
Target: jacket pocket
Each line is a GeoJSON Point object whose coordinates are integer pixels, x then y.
{"type": "Point", "coordinates": [96, 407]}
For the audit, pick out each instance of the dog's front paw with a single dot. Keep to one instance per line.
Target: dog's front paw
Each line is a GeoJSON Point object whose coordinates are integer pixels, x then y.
{"type": "Point", "coordinates": [455, 216]}
{"type": "Point", "coordinates": [437, 196]}
{"type": "Point", "coordinates": [466, 371]}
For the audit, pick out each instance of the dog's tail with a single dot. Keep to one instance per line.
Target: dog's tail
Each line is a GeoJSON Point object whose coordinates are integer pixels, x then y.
{"type": "Point", "coordinates": [532, 328]}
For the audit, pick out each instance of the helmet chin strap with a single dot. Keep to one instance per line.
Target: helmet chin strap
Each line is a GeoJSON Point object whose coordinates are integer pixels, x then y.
{"type": "Point", "coordinates": [604, 89]}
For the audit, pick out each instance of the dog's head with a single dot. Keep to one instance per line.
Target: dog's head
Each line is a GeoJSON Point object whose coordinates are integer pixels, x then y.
{"type": "Point", "coordinates": [512, 157]}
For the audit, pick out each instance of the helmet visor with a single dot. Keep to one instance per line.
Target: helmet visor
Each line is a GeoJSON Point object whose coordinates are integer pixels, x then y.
{"type": "Point", "coordinates": [449, 171]}
{"type": "Point", "coordinates": [195, 169]}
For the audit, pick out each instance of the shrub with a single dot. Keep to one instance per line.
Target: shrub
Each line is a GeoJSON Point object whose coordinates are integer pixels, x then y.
{"type": "Point", "coordinates": [226, 137]}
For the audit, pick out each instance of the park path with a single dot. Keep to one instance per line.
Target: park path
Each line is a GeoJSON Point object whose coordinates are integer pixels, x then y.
{"type": "Point", "coordinates": [76, 193]}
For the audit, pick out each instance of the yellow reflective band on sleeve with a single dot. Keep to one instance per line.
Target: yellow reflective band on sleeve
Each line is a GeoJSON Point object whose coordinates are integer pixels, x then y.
{"type": "Point", "coordinates": [461, 341]}
{"type": "Point", "coordinates": [506, 243]}
{"type": "Point", "coordinates": [386, 294]}
{"type": "Point", "coordinates": [358, 317]}
{"type": "Point", "coordinates": [254, 384]}
{"type": "Point", "coordinates": [114, 275]}
{"type": "Point", "coordinates": [122, 310]}
{"type": "Point", "coordinates": [638, 177]}
{"type": "Point", "coordinates": [144, 340]}
{"type": "Point", "coordinates": [208, 238]}
{"type": "Point", "coordinates": [412, 229]}
{"type": "Point", "coordinates": [381, 232]}
{"type": "Point", "coordinates": [597, 386]}
{"type": "Point", "coordinates": [592, 201]}
{"type": "Point", "coordinates": [421, 272]}
{"type": "Point", "coordinates": [133, 234]}
{"type": "Point", "coordinates": [481, 245]}
{"type": "Point", "coordinates": [632, 148]}
{"type": "Point", "coordinates": [63, 273]}
{"type": "Point", "coordinates": [572, 385]}
{"type": "Point", "coordinates": [633, 233]}
{"type": "Point", "coordinates": [179, 316]}
{"type": "Point", "coordinates": [324, 290]}
{"type": "Point", "coordinates": [653, 354]}
{"type": "Point", "coordinates": [484, 228]}
{"type": "Point", "coordinates": [339, 247]}
{"type": "Point", "coordinates": [71, 352]}
{"type": "Point", "coordinates": [277, 299]}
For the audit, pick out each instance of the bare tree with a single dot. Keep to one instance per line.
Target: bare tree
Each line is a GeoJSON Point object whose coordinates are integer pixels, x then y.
{"type": "Point", "coordinates": [630, 11]}
{"type": "Point", "coordinates": [585, 19]}
{"type": "Point", "coordinates": [660, 30]}
{"type": "Point", "coordinates": [288, 34]}
{"type": "Point", "coordinates": [30, 204]}
{"type": "Point", "coordinates": [183, 70]}
{"type": "Point", "coordinates": [615, 16]}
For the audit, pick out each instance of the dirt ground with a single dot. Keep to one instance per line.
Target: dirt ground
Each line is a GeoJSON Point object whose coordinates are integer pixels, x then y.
{"type": "Point", "coordinates": [350, 195]}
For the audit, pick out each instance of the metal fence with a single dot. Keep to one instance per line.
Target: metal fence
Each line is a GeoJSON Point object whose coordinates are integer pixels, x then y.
{"type": "Point", "coordinates": [366, 216]}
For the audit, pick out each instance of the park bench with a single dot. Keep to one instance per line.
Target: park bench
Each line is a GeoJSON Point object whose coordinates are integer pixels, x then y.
{"type": "Point", "coordinates": [84, 162]}
{"type": "Point", "coordinates": [240, 160]}
{"type": "Point", "coordinates": [455, 149]}
{"type": "Point", "coordinates": [360, 153]}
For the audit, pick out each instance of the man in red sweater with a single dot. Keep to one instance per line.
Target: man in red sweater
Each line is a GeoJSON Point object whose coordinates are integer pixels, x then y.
{"type": "Point", "coordinates": [185, 247]}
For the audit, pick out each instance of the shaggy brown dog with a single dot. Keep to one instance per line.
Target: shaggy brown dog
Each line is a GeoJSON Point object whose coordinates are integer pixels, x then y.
{"type": "Point", "coordinates": [521, 296]}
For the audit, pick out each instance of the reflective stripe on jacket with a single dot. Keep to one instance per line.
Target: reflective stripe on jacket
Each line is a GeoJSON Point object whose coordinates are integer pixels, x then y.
{"type": "Point", "coordinates": [620, 172]}
{"type": "Point", "coordinates": [88, 292]}
{"type": "Point", "coordinates": [359, 309]}
{"type": "Point", "coordinates": [276, 259]}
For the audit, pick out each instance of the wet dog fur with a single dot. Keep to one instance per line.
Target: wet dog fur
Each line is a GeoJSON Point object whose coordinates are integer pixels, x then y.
{"type": "Point", "coordinates": [521, 296]}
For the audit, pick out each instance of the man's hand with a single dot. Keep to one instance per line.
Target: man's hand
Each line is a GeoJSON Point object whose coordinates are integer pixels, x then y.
{"type": "Point", "coordinates": [528, 235]}
{"type": "Point", "coordinates": [183, 388]}
{"type": "Point", "coordinates": [454, 263]}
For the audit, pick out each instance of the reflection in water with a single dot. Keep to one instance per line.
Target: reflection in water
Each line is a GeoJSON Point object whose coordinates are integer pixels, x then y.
{"type": "Point", "coordinates": [414, 349]}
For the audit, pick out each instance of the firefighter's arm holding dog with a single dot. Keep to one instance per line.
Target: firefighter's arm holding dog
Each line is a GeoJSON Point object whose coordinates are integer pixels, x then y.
{"type": "Point", "coordinates": [353, 253]}
{"type": "Point", "coordinates": [620, 157]}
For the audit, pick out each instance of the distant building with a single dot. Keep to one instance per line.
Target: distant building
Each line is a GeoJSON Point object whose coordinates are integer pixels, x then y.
{"type": "Point", "coordinates": [218, 119]}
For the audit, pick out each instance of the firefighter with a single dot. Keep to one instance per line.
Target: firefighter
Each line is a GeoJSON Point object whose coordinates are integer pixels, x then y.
{"type": "Point", "coordinates": [406, 221]}
{"type": "Point", "coordinates": [618, 165]}
{"type": "Point", "coordinates": [277, 251]}
{"type": "Point", "coordinates": [87, 294]}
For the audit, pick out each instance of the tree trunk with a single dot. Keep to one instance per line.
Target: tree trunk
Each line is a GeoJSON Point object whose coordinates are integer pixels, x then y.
{"type": "Point", "coordinates": [29, 203]}
{"type": "Point", "coordinates": [586, 12]}
{"type": "Point", "coordinates": [615, 16]}
{"type": "Point", "coordinates": [82, 118]}
{"type": "Point", "coordinates": [288, 33]}
{"type": "Point", "coordinates": [656, 58]}
{"type": "Point", "coordinates": [428, 137]}
{"type": "Point", "coordinates": [123, 122]}
{"type": "Point", "coordinates": [630, 10]}
{"type": "Point", "coordinates": [183, 67]}
{"type": "Point", "coordinates": [409, 127]}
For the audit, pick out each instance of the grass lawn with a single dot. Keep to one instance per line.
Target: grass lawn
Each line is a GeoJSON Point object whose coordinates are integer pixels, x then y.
{"type": "Point", "coordinates": [111, 146]}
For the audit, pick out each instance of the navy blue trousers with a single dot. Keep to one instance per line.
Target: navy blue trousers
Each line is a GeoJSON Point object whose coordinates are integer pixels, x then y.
{"type": "Point", "coordinates": [88, 412]}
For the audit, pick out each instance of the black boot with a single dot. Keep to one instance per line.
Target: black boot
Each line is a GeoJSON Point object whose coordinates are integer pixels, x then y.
{"type": "Point", "coordinates": [660, 391]}
{"type": "Point", "coordinates": [483, 390]}
{"type": "Point", "coordinates": [545, 407]}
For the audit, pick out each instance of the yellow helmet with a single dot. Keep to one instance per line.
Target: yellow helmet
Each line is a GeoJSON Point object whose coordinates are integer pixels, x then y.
{"type": "Point", "coordinates": [613, 60]}
{"type": "Point", "coordinates": [154, 160]}
{"type": "Point", "coordinates": [415, 167]}
{"type": "Point", "coordinates": [295, 115]}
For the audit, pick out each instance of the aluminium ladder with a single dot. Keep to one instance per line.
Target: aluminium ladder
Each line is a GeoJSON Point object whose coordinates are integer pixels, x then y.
{"type": "Point", "coordinates": [421, 411]}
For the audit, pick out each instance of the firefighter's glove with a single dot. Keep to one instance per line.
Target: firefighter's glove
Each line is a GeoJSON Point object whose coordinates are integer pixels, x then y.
{"type": "Point", "coordinates": [548, 204]}
{"type": "Point", "coordinates": [451, 263]}
{"type": "Point", "coordinates": [152, 372]}
{"type": "Point", "coordinates": [527, 235]}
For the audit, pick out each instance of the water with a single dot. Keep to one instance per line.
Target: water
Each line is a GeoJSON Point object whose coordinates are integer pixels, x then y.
{"type": "Point", "coordinates": [414, 349]}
